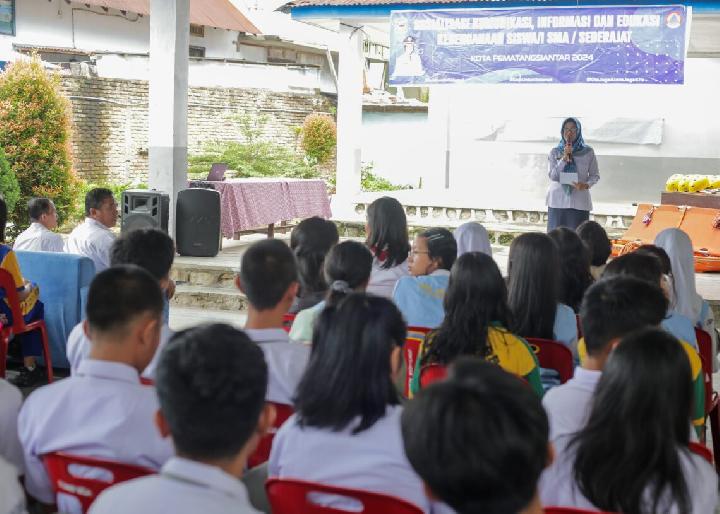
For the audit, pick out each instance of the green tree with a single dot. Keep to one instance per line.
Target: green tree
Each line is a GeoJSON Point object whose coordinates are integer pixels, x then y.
{"type": "Point", "coordinates": [9, 187]}
{"type": "Point", "coordinates": [319, 137]}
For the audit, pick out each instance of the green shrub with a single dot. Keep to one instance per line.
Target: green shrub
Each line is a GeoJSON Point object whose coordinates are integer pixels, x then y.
{"type": "Point", "coordinates": [371, 182]}
{"type": "Point", "coordinates": [319, 137]}
{"type": "Point", "coordinates": [35, 134]}
{"type": "Point", "coordinates": [9, 187]}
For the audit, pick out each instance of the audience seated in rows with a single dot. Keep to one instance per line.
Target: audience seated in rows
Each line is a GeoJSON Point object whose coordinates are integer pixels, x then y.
{"type": "Point", "coordinates": [598, 245]}
{"type": "Point", "coordinates": [420, 296]}
{"type": "Point", "coordinates": [387, 238]}
{"type": "Point", "coordinates": [472, 237]}
{"type": "Point", "coordinates": [39, 237]}
{"type": "Point", "coordinates": [310, 241]}
{"type": "Point", "coordinates": [476, 323]}
{"type": "Point", "coordinates": [269, 278]}
{"type": "Point", "coordinates": [154, 251]}
{"type": "Point", "coordinates": [632, 455]}
{"type": "Point", "coordinates": [102, 410]}
{"type": "Point", "coordinates": [575, 275]}
{"type": "Point", "coordinates": [211, 383]}
{"type": "Point", "coordinates": [347, 269]}
{"type": "Point", "coordinates": [93, 238]}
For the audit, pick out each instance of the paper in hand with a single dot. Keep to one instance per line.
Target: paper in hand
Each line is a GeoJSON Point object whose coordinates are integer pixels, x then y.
{"type": "Point", "coordinates": [568, 178]}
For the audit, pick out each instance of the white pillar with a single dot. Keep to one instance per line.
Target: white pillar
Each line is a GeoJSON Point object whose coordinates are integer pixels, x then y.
{"type": "Point", "coordinates": [349, 111]}
{"type": "Point", "coordinates": [439, 120]}
{"type": "Point", "coordinates": [169, 47]}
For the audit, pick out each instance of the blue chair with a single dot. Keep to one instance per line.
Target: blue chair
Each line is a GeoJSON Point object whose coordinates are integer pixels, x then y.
{"type": "Point", "coordinates": [64, 280]}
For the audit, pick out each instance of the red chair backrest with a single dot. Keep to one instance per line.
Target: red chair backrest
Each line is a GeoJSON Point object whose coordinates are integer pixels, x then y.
{"type": "Point", "coordinates": [87, 489]}
{"type": "Point", "coordinates": [288, 320]}
{"type": "Point", "coordinates": [553, 355]}
{"type": "Point", "coordinates": [262, 452]}
{"type": "Point", "coordinates": [432, 373]}
{"type": "Point", "coordinates": [571, 510]}
{"type": "Point", "coordinates": [704, 342]}
{"type": "Point", "coordinates": [415, 337]}
{"type": "Point", "coordinates": [7, 283]}
{"type": "Point", "coordinates": [701, 450]}
{"type": "Point", "coordinates": [295, 497]}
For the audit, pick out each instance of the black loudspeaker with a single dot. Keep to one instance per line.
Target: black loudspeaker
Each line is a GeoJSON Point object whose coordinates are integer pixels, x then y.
{"type": "Point", "coordinates": [197, 222]}
{"type": "Point", "coordinates": [143, 208]}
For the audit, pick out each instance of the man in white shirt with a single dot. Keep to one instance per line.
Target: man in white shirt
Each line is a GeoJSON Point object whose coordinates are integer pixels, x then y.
{"type": "Point", "coordinates": [154, 251]}
{"type": "Point", "coordinates": [268, 277]}
{"type": "Point", "coordinates": [39, 237]}
{"type": "Point", "coordinates": [103, 410]}
{"type": "Point", "coordinates": [93, 238]}
{"type": "Point", "coordinates": [10, 403]}
{"type": "Point", "coordinates": [211, 382]}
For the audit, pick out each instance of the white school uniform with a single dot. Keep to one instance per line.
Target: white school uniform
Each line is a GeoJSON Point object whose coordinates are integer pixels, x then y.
{"type": "Point", "coordinates": [568, 405]}
{"type": "Point", "coordinates": [37, 238]}
{"type": "Point", "coordinates": [101, 411]}
{"type": "Point", "coordinates": [182, 487]}
{"type": "Point", "coordinates": [10, 403]}
{"type": "Point", "coordinates": [78, 349]}
{"type": "Point", "coordinates": [382, 281]}
{"type": "Point", "coordinates": [372, 460]}
{"type": "Point", "coordinates": [12, 496]}
{"type": "Point", "coordinates": [92, 239]}
{"type": "Point", "coordinates": [286, 362]}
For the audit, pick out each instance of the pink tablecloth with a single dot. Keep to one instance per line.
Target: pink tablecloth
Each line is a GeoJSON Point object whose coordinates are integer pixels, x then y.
{"type": "Point", "coordinates": [253, 203]}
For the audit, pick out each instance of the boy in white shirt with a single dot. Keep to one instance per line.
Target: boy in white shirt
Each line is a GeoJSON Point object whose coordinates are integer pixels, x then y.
{"type": "Point", "coordinates": [268, 277]}
{"type": "Point", "coordinates": [93, 238]}
{"type": "Point", "coordinates": [211, 381]}
{"type": "Point", "coordinates": [39, 237]}
{"type": "Point", "coordinates": [12, 496]}
{"type": "Point", "coordinates": [102, 410]}
{"type": "Point", "coordinates": [10, 403]}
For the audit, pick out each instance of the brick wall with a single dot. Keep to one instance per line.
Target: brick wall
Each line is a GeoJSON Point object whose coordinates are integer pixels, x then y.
{"type": "Point", "coordinates": [110, 122]}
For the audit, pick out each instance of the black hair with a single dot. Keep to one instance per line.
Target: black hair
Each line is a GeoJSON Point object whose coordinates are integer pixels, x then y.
{"type": "Point", "coordinates": [441, 245]}
{"type": "Point", "coordinates": [533, 267]}
{"type": "Point", "coordinates": [614, 307]}
{"type": "Point", "coordinates": [348, 376]}
{"type": "Point", "coordinates": [3, 218]}
{"type": "Point", "coordinates": [349, 262]}
{"type": "Point", "coordinates": [149, 248]}
{"type": "Point", "coordinates": [660, 253]}
{"type": "Point", "coordinates": [95, 198]}
{"type": "Point", "coordinates": [311, 240]}
{"type": "Point", "coordinates": [39, 206]}
{"type": "Point", "coordinates": [267, 270]}
{"type": "Point", "coordinates": [120, 294]}
{"type": "Point", "coordinates": [211, 382]}
{"type": "Point", "coordinates": [623, 462]}
{"type": "Point", "coordinates": [575, 275]}
{"type": "Point", "coordinates": [596, 240]}
{"type": "Point", "coordinates": [642, 265]}
{"type": "Point", "coordinates": [388, 231]}
{"type": "Point", "coordinates": [479, 439]}
{"type": "Point", "coordinates": [475, 297]}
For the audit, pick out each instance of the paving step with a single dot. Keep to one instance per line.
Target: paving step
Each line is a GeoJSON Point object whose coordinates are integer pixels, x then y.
{"type": "Point", "coordinates": [186, 317]}
{"type": "Point", "coordinates": [219, 277]}
{"type": "Point", "coordinates": [208, 297]}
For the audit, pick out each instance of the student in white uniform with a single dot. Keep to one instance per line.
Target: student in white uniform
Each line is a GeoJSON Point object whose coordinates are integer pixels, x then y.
{"type": "Point", "coordinates": [93, 238]}
{"type": "Point", "coordinates": [479, 440]}
{"type": "Point", "coordinates": [12, 496]}
{"type": "Point", "coordinates": [10, 403]}
{"type": "Point", "coordinates": [154, 251]}
{"type": "Point", "coordinates": [268, 277]}
{"type": "Point", "coordinates": [472, 237]}
{"type": "Point", "coordinates": [346, 427]}
{"type": "Point", "coordinates": [388, 240]}
{"type": "Point", "coordinates": [39, 237]}
{"type": "Point", "coordinates": [211, 383]}
{"type": "Point", "coordinates": [102, 410]}
{"type": "Point", "coordinates": [633, 455]}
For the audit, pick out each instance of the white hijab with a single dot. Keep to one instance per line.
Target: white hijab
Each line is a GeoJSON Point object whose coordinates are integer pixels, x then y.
{"type": "Point", "coordinates": [472, 237]}
{"type": "Point", "coordinates": [679, 248]}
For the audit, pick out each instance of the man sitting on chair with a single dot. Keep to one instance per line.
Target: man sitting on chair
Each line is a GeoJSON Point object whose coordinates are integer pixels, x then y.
{"type": "Point", "coordinates": [39, 237]}
{"type": "Point", "coordinates": [93, 237]}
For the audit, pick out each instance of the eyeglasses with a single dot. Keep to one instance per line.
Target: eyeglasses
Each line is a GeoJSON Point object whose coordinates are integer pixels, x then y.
{"type": "Point", "coordinates": [416, 252]}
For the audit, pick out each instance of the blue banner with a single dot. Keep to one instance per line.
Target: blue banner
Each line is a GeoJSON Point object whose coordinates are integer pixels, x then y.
{"type": "Point", "coordinates": [639, 45]}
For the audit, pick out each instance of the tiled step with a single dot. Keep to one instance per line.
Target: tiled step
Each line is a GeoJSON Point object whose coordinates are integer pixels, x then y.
{"type": "Point", "coordinates": [208, 297]}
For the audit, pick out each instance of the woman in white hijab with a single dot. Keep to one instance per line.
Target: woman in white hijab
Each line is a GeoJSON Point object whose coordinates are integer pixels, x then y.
{"type": "Point", "coordinates": [472, 237]}
{"type": "Point", "coordinates": [686, 300]}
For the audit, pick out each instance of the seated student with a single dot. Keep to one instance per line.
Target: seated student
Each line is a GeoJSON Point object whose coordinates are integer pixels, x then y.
{"type": "Point", "coordinates": [388, 240]}
{"type": "Point", "coordinates": [472, 237]}
{"type": "Point", "coordinates": [39, 237]}
{"type": "Point", "coordinates": [12, 496]}
{"type": "Point", "coordinates": [633, 455]}
{"type": "Point", "coordinates": [420, 297]}
{"type": "Point", "coordinates": [596, 240]}
{"type": "Point", "coordinates": [31, 307]}
{"type": "Point", "coordinates": [211, 383]}
{"type": "Point", "coordinates": [102, 410]}
{"type": "Point", "coordinates": [310, 241]}
{"type": "Point", "coordinates": [347, 269]}
{"type": "Point", "coordinates": [93, 238]}
{"type": "Point", "coordinates": [575, 275]}
{"type": "Point", "coordinates": [476, 321]}
{"type": "Point", "coordinates": [10, 402]}
{"type": "Point", "coordinates": [268, 277]}
{"type": "Point", "coordinates": [346, 427]}
{"type": "Point", "coordinates": [499, 440]}
{"type": "Point", "coordinates": [154, 251]}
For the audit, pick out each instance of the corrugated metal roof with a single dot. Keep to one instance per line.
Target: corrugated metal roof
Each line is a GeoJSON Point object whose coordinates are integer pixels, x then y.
{"type": "Point", "coordinates": [220, 14]}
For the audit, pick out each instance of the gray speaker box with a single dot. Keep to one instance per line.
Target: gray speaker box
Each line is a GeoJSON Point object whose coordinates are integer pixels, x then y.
{"type": "Point", "coordinates": [197, 222]}
{"type": "Point", "coordinates": [144, 208]}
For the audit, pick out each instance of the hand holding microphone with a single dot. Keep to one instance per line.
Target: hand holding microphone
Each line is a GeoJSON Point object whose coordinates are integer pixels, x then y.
{"type": "Point", "coordinates": [567, 155]}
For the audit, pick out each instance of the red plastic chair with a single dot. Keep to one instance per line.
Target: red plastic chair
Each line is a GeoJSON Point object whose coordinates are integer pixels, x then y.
{"type": "Point", "coordinates": [432, 373]}
{"type": "Point", "coordinates": [571, 510]}
{"type": "Point", "coordinates": [295, 497]}
{"type": "Point", "coordinates": [19, 326]}
{"type": "Point", "coordinates": [288, 320]}
{"type": "Point", "coordinates": [262, 452]}
{"type": "Point", "coordinates": [415, 337]}
{"type": "Point", "coordinates": [553, 355]}
{"type": "Point", "coordinates": [712, 401]}
{"type": "Point", "coordinates": [87, 489]}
